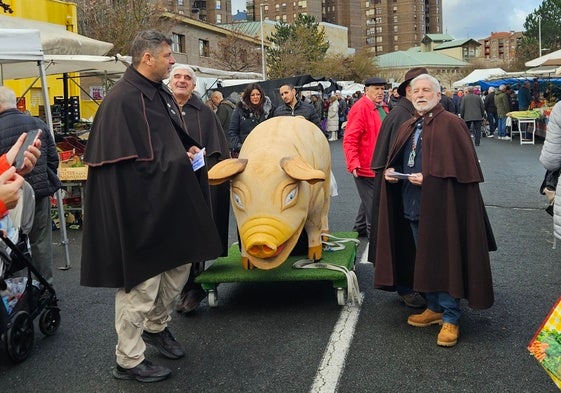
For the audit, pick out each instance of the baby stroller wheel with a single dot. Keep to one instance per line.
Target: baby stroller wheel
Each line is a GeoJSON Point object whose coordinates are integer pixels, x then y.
{"type": "Point", "coordinates": [49, 320]}
{"type": "Point", "coordinates": [20, 336]}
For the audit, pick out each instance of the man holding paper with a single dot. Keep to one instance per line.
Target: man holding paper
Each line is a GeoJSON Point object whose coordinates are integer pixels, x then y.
{"type": "Point", "coordinates": [434, 235]}
{"type": "Point", "coordinates": [146, 209]}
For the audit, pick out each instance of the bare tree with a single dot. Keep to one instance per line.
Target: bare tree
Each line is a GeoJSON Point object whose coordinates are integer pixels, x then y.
{"type": "Point", "coordinates": [233, 53]}
{"type": "Point", "coordinates": [357, 67]}
{"type": "Point", "coordinates": [118, 21]}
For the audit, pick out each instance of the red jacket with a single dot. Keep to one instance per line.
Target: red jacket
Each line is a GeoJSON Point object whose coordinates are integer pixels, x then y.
{"type": "Point", "coordinates": [361, 133]}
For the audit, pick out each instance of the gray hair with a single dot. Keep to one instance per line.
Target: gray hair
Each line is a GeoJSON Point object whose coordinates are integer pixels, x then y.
{"type": "Point", "coordinates": [178, 66]}
{"type": "Point", "coordinates": [150, 41]}
{"type": "Point", "coordinates": [502, 87]}
{"type": "Point", "coordinates": [491, 89]}
{"type": "Point", "coordinates": [434, 82]}
{"type": "Point", "coordinates": [7, 99]}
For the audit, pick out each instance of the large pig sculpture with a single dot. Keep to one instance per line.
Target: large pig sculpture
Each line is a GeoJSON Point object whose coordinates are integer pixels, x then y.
{"type": "Point", "coordinates": [280, 186]}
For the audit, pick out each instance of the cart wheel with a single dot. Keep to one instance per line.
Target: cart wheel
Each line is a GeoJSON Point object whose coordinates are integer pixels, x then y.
{"type": "Point", "coordinates": [49, 321]}
{"type": "Point", "coordinates": [20, 336]}
{"type": "Point", "coordinates": [212, 298]}
{"type": "Point", "coordinates": [341, 296]}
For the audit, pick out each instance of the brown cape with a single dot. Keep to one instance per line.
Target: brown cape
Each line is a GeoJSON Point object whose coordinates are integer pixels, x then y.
{"type": "Point", "coordinates": [146, 210]}
{"type": "Point", "coordinates": [455, 235]}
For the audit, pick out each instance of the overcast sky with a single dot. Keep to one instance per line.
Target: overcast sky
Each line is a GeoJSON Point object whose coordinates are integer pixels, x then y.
{"type": "Point", "coordinates": [472, 18]}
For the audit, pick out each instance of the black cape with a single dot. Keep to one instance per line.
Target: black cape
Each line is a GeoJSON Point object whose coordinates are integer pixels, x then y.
{"type": "Point", "coordinates": [203, 125]}
{"type": "Point", "coordinates": [146, 210]}
{"type": "Point", "coordinates": [401, 112]}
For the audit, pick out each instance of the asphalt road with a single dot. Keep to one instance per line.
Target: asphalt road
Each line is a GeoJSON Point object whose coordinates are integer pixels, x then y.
{"type": "Point", "coordinates": [271, 337]}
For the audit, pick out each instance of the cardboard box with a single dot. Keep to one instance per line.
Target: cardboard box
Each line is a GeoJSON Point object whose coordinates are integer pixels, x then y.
{"type": "Point", "coordinates": [73, 173]}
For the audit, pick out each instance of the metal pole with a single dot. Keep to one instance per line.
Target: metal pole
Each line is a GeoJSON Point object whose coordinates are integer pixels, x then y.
{"type": "Point", "coordinates": [263, 68]}
{"type": "Point", "coordinates": [540, 34]}
{"type": "Point", "coordinates": [49, 118]}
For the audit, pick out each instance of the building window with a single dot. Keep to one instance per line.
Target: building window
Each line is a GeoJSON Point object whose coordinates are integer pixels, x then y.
{"type": "Point", "coordinates": [395, 29]}
{"type": "Point", "coordinates": [218, 4]}
{"type": "Point", "coordinates": [396, 48]}
{"type": "Point", "coordinates": [179, 2]}
{"type": "Point", "coordinates": [395, 19]}
{"type": "Point", "coordinates": [379, 39]}
{"type": "Point", "coordinates": [177, 43]}
{"type": "Point", "coordinates": [380, 48]}
{"type": "Point", "coordinates": [203, 48]}
{"type": "Point", "coordinates": [395, 38]}
{"type": "Point", "coordinates": [218, 19]}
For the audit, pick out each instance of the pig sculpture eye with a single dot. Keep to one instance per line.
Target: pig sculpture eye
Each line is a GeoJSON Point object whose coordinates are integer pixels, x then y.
{"type": "Point", "coordinates": [290, 197]}
{"type": "Point", "coordinates": [238, 200]}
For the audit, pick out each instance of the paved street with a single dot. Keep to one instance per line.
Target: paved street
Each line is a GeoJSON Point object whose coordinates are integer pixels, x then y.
{"type": "Point", "coordinates": [271, 337]}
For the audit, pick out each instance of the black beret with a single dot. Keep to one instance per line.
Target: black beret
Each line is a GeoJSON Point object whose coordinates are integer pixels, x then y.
{"type": "Point", "coordinates": [375, 81]}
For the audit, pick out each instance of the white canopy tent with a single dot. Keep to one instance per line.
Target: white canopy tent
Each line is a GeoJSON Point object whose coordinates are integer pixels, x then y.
{"type": "Point", "coordinates": [477, 75]}
{"type": "Point", "coordinates": [553, 58]}
{"type": "Point", "coordinates": [56, 40]}
{"type": "Point", "coordinates": [24, 46]}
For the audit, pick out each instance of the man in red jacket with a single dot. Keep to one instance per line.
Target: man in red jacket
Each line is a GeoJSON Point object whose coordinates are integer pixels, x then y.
{"type": "Point", "coordinates": [363, 126]}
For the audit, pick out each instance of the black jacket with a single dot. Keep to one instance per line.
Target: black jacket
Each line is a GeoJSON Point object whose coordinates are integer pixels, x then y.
{"type": "Point", "coordinates": [43, 178]}
{"type": "Point", "coordinates": [244, 120]}
{"type": "Point", "coordinates": [300, 109]}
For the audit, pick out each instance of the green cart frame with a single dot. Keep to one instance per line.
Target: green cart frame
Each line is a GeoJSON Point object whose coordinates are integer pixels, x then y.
{"type": "Point", "coordinates": [337, 253]}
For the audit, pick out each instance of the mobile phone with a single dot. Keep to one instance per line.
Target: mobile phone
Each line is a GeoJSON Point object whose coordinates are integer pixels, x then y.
{"type": "Point", "coordinates": [30, 139]}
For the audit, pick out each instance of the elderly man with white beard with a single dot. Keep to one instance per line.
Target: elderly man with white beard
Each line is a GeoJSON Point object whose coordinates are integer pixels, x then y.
{"type": "Point", "coordinates": [432, 218]}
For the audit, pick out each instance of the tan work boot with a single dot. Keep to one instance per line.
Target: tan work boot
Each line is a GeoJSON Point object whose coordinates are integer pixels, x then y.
{"type": "Point", "coordinates": [426, 318]}
{"type": "Point", "coordinates": [448, 336]}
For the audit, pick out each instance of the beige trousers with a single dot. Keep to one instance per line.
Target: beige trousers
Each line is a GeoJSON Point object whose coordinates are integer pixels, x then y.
{"type": "Point", "coordinates": [148, 306]}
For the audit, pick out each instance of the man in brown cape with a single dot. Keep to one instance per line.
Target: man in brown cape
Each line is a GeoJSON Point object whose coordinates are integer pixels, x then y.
{"type": "Point", "coordinates": [146, 209]}
{"type": "Point", "coordinates": [432, 219]}
{"type": "Point", "coordinates": [203, 125]}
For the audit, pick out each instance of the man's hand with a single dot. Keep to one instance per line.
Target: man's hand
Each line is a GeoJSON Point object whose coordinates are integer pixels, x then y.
{"type": "Point", "coordinates": [416, 179]}
{"type": "Point", "coordinates": [10, 184]}
{"type": "Point", "coordinates": [31, 155]}
{"type": "Point", "coordinates": [390, 179]}
{"type": "Point", "coordinates": [192, 151]}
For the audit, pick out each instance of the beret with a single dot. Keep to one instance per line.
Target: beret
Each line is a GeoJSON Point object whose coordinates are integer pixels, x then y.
{"type": "Point", "coordinates": [375, 81]}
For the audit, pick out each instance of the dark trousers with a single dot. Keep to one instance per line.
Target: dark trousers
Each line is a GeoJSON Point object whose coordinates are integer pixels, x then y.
{"type": "Point", "coordinates": [493, 119]}
{"type": "Point", "coordinates": [476, 124]}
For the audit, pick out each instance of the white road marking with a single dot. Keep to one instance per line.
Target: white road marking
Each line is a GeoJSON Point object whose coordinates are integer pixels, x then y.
{"type": "Point", "coordinates": [333, 362]}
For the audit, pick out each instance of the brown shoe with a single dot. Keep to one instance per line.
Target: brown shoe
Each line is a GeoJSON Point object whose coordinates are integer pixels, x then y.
{"type": "Point", "coordinates": [448, 336]}
{"type": "Point", "coordinates": [426, 318]}
{"type": "Point", "coordinates": [413, 300]}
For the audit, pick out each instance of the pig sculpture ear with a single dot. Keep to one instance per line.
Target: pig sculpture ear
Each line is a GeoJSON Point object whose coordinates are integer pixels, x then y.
{"type": "Point", "coordinates": [298, 169]}
{"type": "Point", "coordinates": [225, 170]}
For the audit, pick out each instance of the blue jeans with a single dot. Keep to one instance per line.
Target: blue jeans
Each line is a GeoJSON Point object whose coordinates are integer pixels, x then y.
{"type": "Point", "coordinates": [502, 126]}
{"type": "Point", "coordinates": [446, 304]}
{"type": "Point", "coordinates": [440, 301]}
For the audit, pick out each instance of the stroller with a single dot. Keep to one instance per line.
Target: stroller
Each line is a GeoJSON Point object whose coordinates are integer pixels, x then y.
{"type": "Point", "coordinates": [27, 296]}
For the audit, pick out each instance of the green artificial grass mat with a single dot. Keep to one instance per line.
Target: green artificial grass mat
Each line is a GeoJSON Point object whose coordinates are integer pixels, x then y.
{"type": "Point", "coordinates": [229, 269]}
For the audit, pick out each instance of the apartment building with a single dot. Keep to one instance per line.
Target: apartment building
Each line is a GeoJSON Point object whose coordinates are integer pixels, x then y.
{"type": "Point", "coordinates": [383, 25]}
{"type": "Point", "coordinates": [501, 46]}
{"type": "Point", "coordinates": [211, 11]}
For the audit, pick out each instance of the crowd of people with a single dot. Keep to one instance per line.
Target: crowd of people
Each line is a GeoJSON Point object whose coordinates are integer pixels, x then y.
{"type": "Point", "coordinates": [410, 150]}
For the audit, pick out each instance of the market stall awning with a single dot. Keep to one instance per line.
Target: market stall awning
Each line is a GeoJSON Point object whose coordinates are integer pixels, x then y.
{"type": "Point", "coordinates": [56, 40]}
{"type": "Point", "coordinates": [60, 64]}
{"type": "Point", "coordinates": [543, 60]}
{"type": "Point", "coordinates": [477, 75]}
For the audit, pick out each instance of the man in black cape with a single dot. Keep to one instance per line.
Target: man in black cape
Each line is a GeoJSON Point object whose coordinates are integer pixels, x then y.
{"type": "Point", "coordinates": [146, 209]}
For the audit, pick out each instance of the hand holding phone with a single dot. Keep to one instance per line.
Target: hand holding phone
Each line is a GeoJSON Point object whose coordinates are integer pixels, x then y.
{"type": "Point", "coordinates": [30, 139]}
